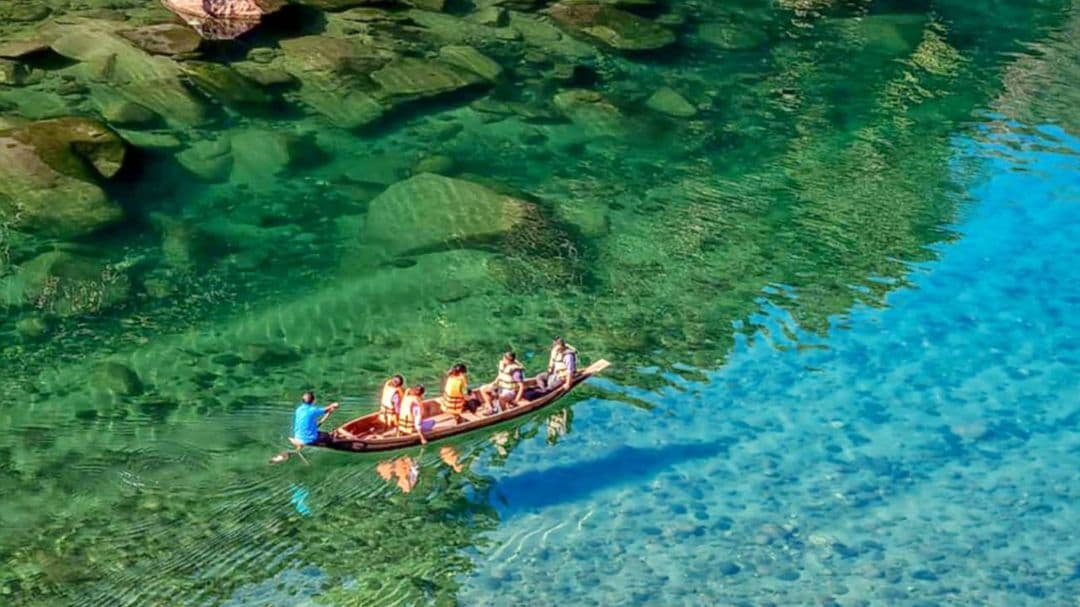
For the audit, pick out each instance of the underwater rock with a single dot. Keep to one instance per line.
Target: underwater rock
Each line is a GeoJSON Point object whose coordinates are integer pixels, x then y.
{"type": "Point", "coordinates": [468, 58]}
{"type": "Point", "coordinates": [269, 354]}
{"type": "Point", "coordinates": [438, 164]}
{"type": "Point", "coordinates": [16, 11]}
{"type": "Point", "coordinates": [593, 112]}
{"type": "Point", "coordinates": [126, 113]}
{"type": "Point", "coordinates": [47, 174]}
{"type": "Point", "coordinates": [667, 101]}
{"type": "Point", "coordinates": [222, 19]}
{"type": "Point", "coordinates": [118, 379]}
{"type": "Point", "coordinates": [177, 241]}
{"type": "Point", "coordinates": [224, 84]}
{"type": "Point", "coordinates": [12, 73]}
{"type": "Point", "coordinates": [332, 72]}
{"type": "Point", "coordinates": [616, 28]}
{"type": "Point", "coordinates": [209, 160]}
{"type": "Point", "coordinates": [153, 81]}
{"type": "Point", "coordinates": [438, 213]}
{"type": "Point", "coordinates": [67, 284]}
{"type": "Point", "coordinates": [731, 36]}
{"type": "Point", "coordinates": [263, 74]}
{"type": "Point", "coordinates": [15, 49]}
{"type": "Point", "coordinates": [164, 38]}
{"type": "Point", "coordinates": [151, 140]}
{"type": "Point", "coordinates": [260, 153]}
{"type": "Point", "coordinates": [491, 16]}
{"type": "Point", "coordinates": [409, 79]}
{"type": "Point", "coordinates": [31, 327]}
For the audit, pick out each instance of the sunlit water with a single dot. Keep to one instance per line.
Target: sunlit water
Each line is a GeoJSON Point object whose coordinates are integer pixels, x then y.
{"type": "Point", "coordinates": [837, 299]}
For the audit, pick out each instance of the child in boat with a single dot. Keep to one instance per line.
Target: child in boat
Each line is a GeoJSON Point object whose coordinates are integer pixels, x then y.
{"type": "Point", "coordinates": [390, 401]}
{"type": "Point", "coordinates": [411, 413]}
{"type": "Point", "coordinates": [456, 391]}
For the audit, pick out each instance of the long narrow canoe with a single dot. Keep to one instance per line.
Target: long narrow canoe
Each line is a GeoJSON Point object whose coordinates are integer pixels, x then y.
{"type": "Point", "coordinates": [368, 434]}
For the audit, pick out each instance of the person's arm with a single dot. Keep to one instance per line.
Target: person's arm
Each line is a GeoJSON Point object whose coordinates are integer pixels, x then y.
{"type": "Point", "coordinates": [327, 411]}
{"type": "Point", "coordinates": [418, 417]}
{"type": "Point", "coordinates": [520, 379]}
{"type": "Point", "coordinates": [571, 369]}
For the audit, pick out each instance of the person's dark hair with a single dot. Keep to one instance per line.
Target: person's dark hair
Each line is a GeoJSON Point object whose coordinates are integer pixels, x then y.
{"type": "Point", "coordinates": [308, 397]}
{"type": "Point", "coordinates": [558, 341]}
{"type": "Point", "coordinates": [398, 380]}
{"type": "Point", "coordinates": [418, 389]}
{"type": "Point", "coordinates": [458, 369]}
{"type": "Point", "coordinates": [510, 356]}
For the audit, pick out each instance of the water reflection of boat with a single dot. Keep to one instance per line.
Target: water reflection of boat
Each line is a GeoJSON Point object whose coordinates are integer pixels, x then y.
{"type": "Point", "coordinates": [368, 434]}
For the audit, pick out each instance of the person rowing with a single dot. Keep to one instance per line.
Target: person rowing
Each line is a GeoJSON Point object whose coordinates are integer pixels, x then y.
{"type": "Point", "coordinates": [306, 421]}
{"type": "Point", "coordinates": [508, 387]}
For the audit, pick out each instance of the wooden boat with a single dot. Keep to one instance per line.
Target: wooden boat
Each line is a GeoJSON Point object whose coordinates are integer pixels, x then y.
{"type": "Point", "coordinates": [367, 433]}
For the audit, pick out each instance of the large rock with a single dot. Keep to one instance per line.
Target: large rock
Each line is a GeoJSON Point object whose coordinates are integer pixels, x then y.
{"type": "Point", "coordinates": [164, 38]}
{"type": "Point", "coordinates": [667, 101]}
{"type": "Point", "coordinates": [14, 49]}
{"type": "Point", "coordinates": [154, 81]}
{"type": "Point", "coordinates": [590, 110]}
{"type": "Point", "coordinates": [409, 78]}
{"type": "Point", "coordinates": [332, 72]}
{"type": "Point", "coordinates": [224, 84]}
{"type": "Point", "coordinates": [209, 160]}
{"type": "Point", "coordinates": [66, 284]}
{"type": "Point", "coordinates": [429, 212]}
{"type": "Point", "coordinates": [259, 153]}
{"type": "Point", "coordinates": [48, 172]}
{"type": "Point", "coordinates": [614, 27]}
{"type": "Point", "coordinates": [471, 59]}
{"type": "Point", "coordinates": [222, 19]}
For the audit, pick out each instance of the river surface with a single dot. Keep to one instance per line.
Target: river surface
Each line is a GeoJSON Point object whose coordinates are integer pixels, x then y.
{"type": "Point", "coordinates": [829, 247]}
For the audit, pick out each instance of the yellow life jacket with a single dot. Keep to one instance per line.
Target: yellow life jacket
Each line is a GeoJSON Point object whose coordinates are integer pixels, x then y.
{"type": "Point", "coordinates": [456, 389]}
{"type": "Point", "coordinates": [388, 393]}
{"type": "Point", "coordinates": [505, 381]}
{"type": "Point", "coordinates": [411, 412]}
{"type": "Point", "coordinates": [557, 360]}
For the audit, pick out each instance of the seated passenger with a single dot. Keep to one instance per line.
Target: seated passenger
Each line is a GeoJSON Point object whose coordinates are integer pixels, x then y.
{"type": "Point", "coordinates": [562, 366]}
{"type": "Point", "coordinates": [411, 413]}
{"type": "Point", "coordinates": [392, 393]}
{"type": "Point", "coordinates": [508, 387]}
{"type": "Point", "coordinates": [456, 391]}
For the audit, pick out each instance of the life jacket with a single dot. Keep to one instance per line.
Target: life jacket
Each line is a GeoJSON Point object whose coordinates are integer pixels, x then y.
{"type": "Point", "coordinates": [411, 412]}
{"type": "Point", "coordinates": [455, 392]}
{"type": "Point", "coordinates": [557, 360]}
{"type": "Point", "coordinates": [505, 380]}
{"type": "Point", "coordinates": [388, 393]}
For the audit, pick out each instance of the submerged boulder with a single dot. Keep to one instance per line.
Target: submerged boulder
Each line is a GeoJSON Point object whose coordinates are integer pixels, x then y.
{"type": "Point", "coordinates": [609, 25]}
{"type": "Point", "coordinates": [409, 78]}
{"type": "Point", "coordinates": [667, 101]}
{"type": "Point", "coordinates": [164, 38]}
{"type": "Point", "coordinates": [590, 110]}
{"type": "Point", "coordinates": [430, 212]}
{"type": "Point", "coordinates": [66, 284]}
{"type": "Point", "coordinates": [209, 160]}
{"type": "Point", "coordinates": [468, 58]}
{"type": "Point", "coordinates": [48, 174]}
{"type": "Point", "coordinates": [153, 81]}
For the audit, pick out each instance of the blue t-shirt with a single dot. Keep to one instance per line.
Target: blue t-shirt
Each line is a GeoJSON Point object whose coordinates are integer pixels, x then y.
{"type": "Point", "coordinates": [306, 422]}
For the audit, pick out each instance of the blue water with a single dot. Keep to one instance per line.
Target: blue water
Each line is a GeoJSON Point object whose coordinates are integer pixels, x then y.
{"type": "Point", "coordinates": [920, 454]}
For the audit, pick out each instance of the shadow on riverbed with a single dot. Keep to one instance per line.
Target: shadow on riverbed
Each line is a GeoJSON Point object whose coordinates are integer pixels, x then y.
{"type": "Point", "coordinates": [543, 488]}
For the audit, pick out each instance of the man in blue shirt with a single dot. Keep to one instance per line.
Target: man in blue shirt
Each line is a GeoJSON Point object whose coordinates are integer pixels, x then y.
{"type": "Point", "coordinates": [306, 422]}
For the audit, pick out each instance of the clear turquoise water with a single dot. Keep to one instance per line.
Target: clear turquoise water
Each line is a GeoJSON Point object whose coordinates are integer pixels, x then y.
{"type": "Point", "coordinates": [921, 454]}
{"type": "Point", "coordinates": [837, 299]}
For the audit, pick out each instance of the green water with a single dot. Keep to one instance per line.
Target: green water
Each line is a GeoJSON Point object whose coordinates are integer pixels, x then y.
{"type": "Point", "coordinates": [808, 165]}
